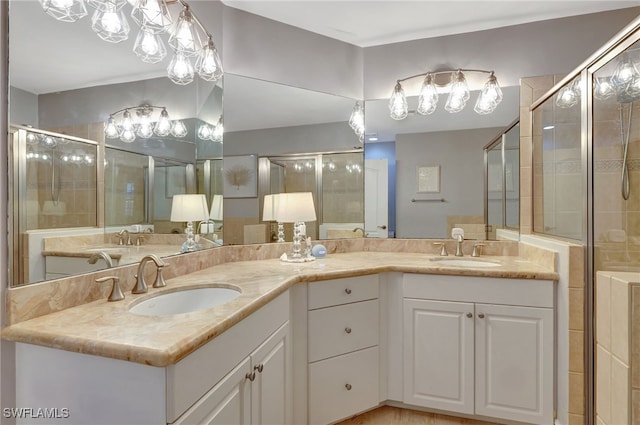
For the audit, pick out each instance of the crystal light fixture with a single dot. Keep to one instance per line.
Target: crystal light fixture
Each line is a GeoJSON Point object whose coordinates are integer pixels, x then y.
{"type": "Point", "coordinates": [142, 124]}
{"type": "Point", "coordinates": [356, 121]}
{"type": "Point", "coordinates": [489, 98]}
{"type": "Point", "coordinates": [569, 95]}
{"type": "Point", "coordinates": [603, 88]}
{"type": "Point", "coordinates": [153, 17]}
{"type": "Point", "coordinates": [218, 131]}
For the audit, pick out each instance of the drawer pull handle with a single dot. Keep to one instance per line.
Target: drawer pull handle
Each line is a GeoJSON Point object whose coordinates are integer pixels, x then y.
{"type": "Point", "coordinates": [251, 376]}
{"type": "Point", "coordinates": [481, 315]}
{"type": "Point", "coordinates": [259, 368]}
{"type": "Point", "coordinates": [347, 330]}
{"type": "Point", "coordinates": [348, 291]}
{"type": "Point", "coordinates": [348, 387]}
{"type": "Point", "coordinates": [469, 315]}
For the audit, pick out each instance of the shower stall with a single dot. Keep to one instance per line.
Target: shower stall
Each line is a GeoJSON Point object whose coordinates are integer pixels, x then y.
{"type": "Point", "coordinates": [586, 188]}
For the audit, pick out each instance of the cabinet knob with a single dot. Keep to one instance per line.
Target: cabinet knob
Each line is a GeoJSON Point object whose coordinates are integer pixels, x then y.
{"type": "Point", "coordinates": [347, 291]}
{"type": "Point", "coordinates": [251, 376]}
{"type": "Point", "coordinates": [469, 315]}
{"type": "Point", "coordinates": [348, 387]}
{"type": "Point", "coordinates": [259, 368]}
{"type": "Point", "coordinates": [347, 330]}
{"type": "Point", "coordinates": [481, 315]}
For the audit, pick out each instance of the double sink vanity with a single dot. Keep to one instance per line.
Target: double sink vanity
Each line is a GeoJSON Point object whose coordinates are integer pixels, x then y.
{"type": "Point", "coordinates": [267, 342]}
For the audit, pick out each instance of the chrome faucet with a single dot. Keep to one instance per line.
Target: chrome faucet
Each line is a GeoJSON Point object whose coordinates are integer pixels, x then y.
{"type": "Point", "coordinates": [141, 284]}
{"type": "Point", "coordinates": [121, 239]}
{"type": "Point", "coordinates": [361, 229]}
{"type": "Point", "coordinates": [459, 240]}
{"type": "Point", "coordinates": [101, 255]}
{"type": "Point", "coordinates": [116, 293]}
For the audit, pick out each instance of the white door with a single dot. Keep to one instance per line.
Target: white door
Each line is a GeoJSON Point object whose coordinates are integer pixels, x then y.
{"type": "Point", "coordinates": [229, 402]}
{"type": "Point", "coordinates": [376, 198]}
{"type": "Point", "coordinates": [270, 390]}
{"type": "Point", "coordinates": [514, 363]}
{"type": "Point", "coordinates": [438, 355]}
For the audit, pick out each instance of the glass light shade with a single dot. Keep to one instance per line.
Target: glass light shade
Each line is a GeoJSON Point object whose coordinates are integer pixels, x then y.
{"type": "Point", "coordinates": [490, 96]}
{"type": "Point", "coordinates": [398, 106]}
{"type": "Point", "coordinates": [189, 207]}
{"type": "Point", "coordinates": [110, 25]}
{"type": "Point", "coordinates": [217, 207]}
{"type": "Point", "coordinates": [149, 47]}
{"type": "Point", "coordinates": [208, 64]}
{"type": "Point", "coordinates": [127, 122]}
{"type": "Point", "coordinates": [428, 98]}
{"type": "Point", "coordinates": [32, 138]}
{"type": "Point", "coordinates": [180, 69]}
{"type": "Point", "coordinates": [110, 128]}
{"type": "Point", "coordinates": [218, 131]}
{"type": "Point", "coordinates": [107, 4]}
{"type": "Point", "coordinates": [568, 96]}
{"type": "Point", "coordinates": [152, 15]}
{"type": "Point", "coordinates": [64, 10]}
{"type": "Point", "coordinates": [270, 207]}
{"type": "Point", "coordinates": [178, 129]}
{"type": "Point", "coordinates": [49, 141]}
{"type": "Point", "coordinates": [356, 120]}
{"type": "Point", "coordinates": [625, 72]}
{"type": "Point", "coordinates": [163, 126]}
{"type": "Point", "coordinates": [459, 93]}
{"type": "Point", "coordinates": [205, 131]}
{"type": "Point", "coordinates": [145, 126]}
{"type": "Point", "coordinates": [185, 38]}
{"type": "Point", "coordinates": [128, 136]}
{"type": "Point", "coordinates": [603, 89]}
{"type": "Point", "coordinates": [296, 207]}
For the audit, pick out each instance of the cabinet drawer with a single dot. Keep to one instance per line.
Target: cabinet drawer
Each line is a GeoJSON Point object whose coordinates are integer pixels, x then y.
{"type": "Point", "coordinates": [343, 386]}
{"type": "Point", "coordinates": [342, 291]}
{"type": "Point", "coordinates": [342, 329]}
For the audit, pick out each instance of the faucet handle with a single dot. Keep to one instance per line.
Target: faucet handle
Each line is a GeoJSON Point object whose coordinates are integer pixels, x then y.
{"type": "Point", "coordinates": [477, 247]}
{"type": "Point", "coordinates": [141, 285]}
{"type": "Point", "coordinates": [159, 282]}
{"type": "Point", "coordinates": [443, 248]}
{"type": "Point", "coordinates": [116, 293]}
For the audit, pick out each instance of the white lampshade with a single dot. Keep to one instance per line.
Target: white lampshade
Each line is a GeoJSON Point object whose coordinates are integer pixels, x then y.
{"type": "Point", "coordinates": [295, 207]}
{"type": "Point", "coordinates": [270, 208]}
{"type": "Point", "coordinates": [216, 207]}
{"type": "Point", "coordinates": [190, 207]}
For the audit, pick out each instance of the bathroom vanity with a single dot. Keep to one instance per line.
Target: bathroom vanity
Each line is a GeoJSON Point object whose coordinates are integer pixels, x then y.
{"type": "Point", "coordinates": [305, 343]}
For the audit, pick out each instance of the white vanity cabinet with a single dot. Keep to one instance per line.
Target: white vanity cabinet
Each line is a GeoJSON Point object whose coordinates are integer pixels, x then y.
{"type": "Point", "coordinates": [481, 346]}
{"type": "Point", "coordinates": [343, 353]}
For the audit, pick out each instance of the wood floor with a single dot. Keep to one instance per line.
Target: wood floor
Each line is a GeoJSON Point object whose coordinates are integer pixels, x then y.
{"type": "Point", "coordinates": [388, 415]}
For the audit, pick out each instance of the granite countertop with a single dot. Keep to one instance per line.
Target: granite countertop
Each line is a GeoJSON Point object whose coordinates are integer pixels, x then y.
{"type": "Point", "coordinates": [125, 254]}
{"type": "Point", "coordinates": [108, 329]}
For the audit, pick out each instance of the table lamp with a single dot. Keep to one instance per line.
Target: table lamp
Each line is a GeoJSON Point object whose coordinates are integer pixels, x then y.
{"type": "Point", "coordinates": [189, 208]}
{"type": "Point", "coordinates": [296, 208]}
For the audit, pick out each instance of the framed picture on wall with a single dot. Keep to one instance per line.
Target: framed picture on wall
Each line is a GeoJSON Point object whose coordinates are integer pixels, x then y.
{"type": "Point", "coordinates": [240, 176]}
{"type": "Point", "coordinates": [428, 178]}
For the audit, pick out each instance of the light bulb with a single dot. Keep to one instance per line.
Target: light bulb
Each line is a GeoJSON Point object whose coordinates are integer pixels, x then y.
{"type": "Point", "coordinates": [603, 89]}
{"type": "Point", "coordinates": [32, 138]}
{"type": "Point", "coordinates": [625, 72]}
{"type": "Point", "coordinates": [218, 131]}
{"type": "Point", "coordinates": [127, 122]}
{"type": "Point", "coordinates": [185, 39]}
{"type": "Point", "coordinates": [128, 136]}
{"type": "Point", "coordinates": [180, 69]}
{"type": "Point", "coordinates": [145, 128]}
{"type": "Point", "coordinates": [356, 120]}
{"type": "Point", "coordinates": [49, 141]}
{"type": "Point", "coordinates": [64, 10]}
{"type": "Point", "coordinates": [428, 99]}
{"type": "Point", "coordinates": [110, 128]}
{"type": "Point", "coordinates": [205, 131]}
{"type": "Point", "coordinates": [152, 15]}
{"type": "Point", "coordinates": [208, 65]}
{"type": "Point", "coordinates": [163, 126]}
{"type": "Point", "coordinates": [178, 129]}
{"type": "Point", "coordinates": [490, 96]}
{"type": "Point", "coordinates": [398, 107]}
{"type": "Point", "coordinates": [110, 25]}
{"type": "Point", "coordinates": [569, 95]}
{"type": "Point", "coordinates": [149, 47]}
{"type": "Point", "coordinates": [459, 93]}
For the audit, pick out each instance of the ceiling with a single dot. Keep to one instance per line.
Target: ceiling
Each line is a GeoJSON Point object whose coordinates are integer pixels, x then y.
{"type": "Point", "coordinates": [367, 23]}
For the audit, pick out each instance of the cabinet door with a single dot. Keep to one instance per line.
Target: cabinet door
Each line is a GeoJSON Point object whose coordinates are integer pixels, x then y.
{"type": "Point", "coordinates": [514, 363]}
{"type": "Point", "coordinates": [271, 388]}
{"type": "Point", "coordinates": [438, 355]}
{"type": "Point", "coordinates": [226, 403]}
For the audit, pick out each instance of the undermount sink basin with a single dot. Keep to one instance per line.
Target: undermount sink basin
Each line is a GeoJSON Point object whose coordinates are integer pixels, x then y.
{"type": "Point", "coordinates": [185, 301]}
{"type": "Point", "coordinates": [459, 262]}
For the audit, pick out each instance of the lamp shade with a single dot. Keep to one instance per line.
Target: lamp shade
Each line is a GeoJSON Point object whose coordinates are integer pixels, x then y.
{"type": "Point", "coordinates": [296, 206]}
{"type": "Point", "coordinates": [216, 207]}
{"type": "Point", "coordinates": [270, 207]}
{"type": "Point", "coordinates": [189, 207]}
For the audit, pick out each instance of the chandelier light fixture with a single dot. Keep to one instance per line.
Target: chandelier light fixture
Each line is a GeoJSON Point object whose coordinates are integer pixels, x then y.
{"type": "Point", "coordinates": [489, 98]}
{"type": "Point", "coordinates": [192, 45]}
{"type": "Point", "coordinates": [142, 121]}
{"type": "Point", "coordinates": [356, 121]}
{"type": "Point", "coordinates": [214, 133]}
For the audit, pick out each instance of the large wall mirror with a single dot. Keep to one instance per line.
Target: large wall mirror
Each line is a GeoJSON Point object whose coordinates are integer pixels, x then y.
{"type": "Point", "coordinates": [76, 191]}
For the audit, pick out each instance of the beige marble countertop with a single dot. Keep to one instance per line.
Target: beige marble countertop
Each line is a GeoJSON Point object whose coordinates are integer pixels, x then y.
{"type": "Point", "coordinates": [108, 329]}
{"type": "Point", "coordinates": [125, 254]}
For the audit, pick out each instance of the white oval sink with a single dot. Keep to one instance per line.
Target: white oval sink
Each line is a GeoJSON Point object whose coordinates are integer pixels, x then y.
{"type": "Point", "coordinates": [458, 262]}
{"type": "Point", "coordinates": [185, 301]}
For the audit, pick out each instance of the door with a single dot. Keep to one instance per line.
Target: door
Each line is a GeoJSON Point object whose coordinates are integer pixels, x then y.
{"type": "Point", "coordinates": [438, 355]}
{"type": "Point", "coordinates": [270, 390]}
{"type": "Point", "coordinates": [514, 363]}
{"type": "Point", "coordinates": [226, 403]}
{"type": "Point", "coordinates": [376, 198]}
